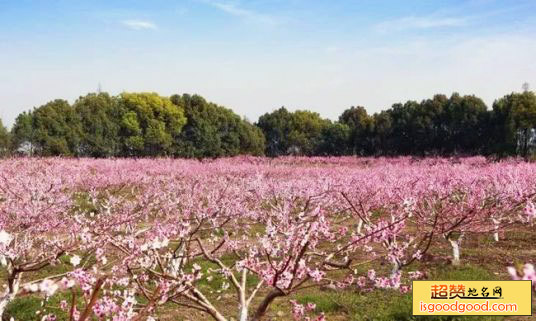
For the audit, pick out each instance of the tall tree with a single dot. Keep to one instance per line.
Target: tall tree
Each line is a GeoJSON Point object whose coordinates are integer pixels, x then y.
{"type": "Point", "coordinates": [382, 134]}
{"type": "Point", "coordinates": [404, 128]}
{"type": "Point", "coordinates": [49, 130]}
{"type": "Point", "coordinates": [297, 133]}
{"type": "Point", "coordinates": [4, 140]}
{"type": "Point", "coordinates": [276, 127]}
{"type": "Point", "coordinates": [214, 131]}
{"type": "Point", "coordinates": [465, 125]}
{"type": "Point", "coordinates": [22, 134]}
{"type": "Point", "coordinates": [426, 125]}
{"type": "Point", "coordinates": [149, 124]}
{"type": "Point", "coordinates": [305, 136]}
{"type": "Point", "coordinates": [100, 125]}
{"type": "Point", "coordinates": [252, 139]}
{"type": "Point", "coordinates": [335, 140]}
{"type": "Point", "coordinates": [514, 118]}
{"type": "Point", "coordinates": [361, 127]}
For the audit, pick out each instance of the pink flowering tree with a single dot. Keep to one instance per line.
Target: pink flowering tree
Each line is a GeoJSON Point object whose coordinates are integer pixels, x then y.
{"type": "Point", "coordinates": [302, 312]}
{"type": "Point", "coordinates": [390, 231]}
{"type": "Point", "coordinates": [37, 227]}
{"type": "Point", "coordinates": [258, 243]}
{"type": "Point", "coordinates": [47, 219]}
{"type": "Point", "coordinates": [450, 211]}
{"type": "Point", "coordinates": [524, 272]}
{"type": "Point", "coordinates": [386, 218]}
{"type": "Point", "coordinates": [281, 257]}
{"type": "Point", "coordinates": [507, 191]}
{"type": "Point", "coordinates": [134, 236]}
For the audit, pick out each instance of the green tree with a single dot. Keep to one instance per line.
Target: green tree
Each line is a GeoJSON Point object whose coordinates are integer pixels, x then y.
{"type": "Point", "coordinates": [305, 136]}
{"type": "Point", "coordinates": [335, 140]}
{"type": "Point", "coordinates": [215, 131]}
{"type": "Point", "coordinates": [297, 133]}
{"type": "Point", "coordinates": [252, 141]}
{"type": "Point", "coordinates": [411, 128]}
{"type": "Point", "coordinates": [49, 130]}
{"type": "Point", "coordinates": [22, 134]}
{"type": "Point", "coordinates": [436, 126]}
{"type": "Point", "coordinates": [513, 120]}
{"type": "Point", "coordinates": [361, 127]}
{"type": "Point", "coordinates": [4, 140]}
{"type": "Point", "coordinates": [276, 127]}
{"type": "Point", "coordinates": [404, 129]}
{"type": "Point", "coordinates": [99, 119]}
{"type": "Point", "coordinates": [148, 124]}
{"type": "Point", "coordinates": [426, 124]}
{"type": "Point", "coordinates": [464, 125]}
{"type": "Point", "coordinates": [382, 134]}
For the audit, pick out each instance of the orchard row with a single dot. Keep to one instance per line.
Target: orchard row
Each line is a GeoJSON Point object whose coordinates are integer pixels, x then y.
{"type": "Point", "coordinates": [127, 239]}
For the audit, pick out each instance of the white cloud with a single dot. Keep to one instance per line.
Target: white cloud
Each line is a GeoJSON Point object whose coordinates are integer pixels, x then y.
{"type": "Point", "coordinates": [237, 11]}
{"type": "Point", "coordinates": [422, 22]}
{"type": "Point", "coordinates": [332, 49]}
{"type": "Point", "coordinates": [139, 24]}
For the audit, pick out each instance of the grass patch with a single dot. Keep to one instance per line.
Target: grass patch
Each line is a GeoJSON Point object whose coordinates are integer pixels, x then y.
{"type": "Point", "coordinates": [23, 309]}
{"type": "Point", "coordinates": [26, 307]}
{"type": "Point", "coordinates": [326, 302]}
{"type": "Point", "coordinates": [391, 305]}
{"type": "Point", "coordinates": [461, 273]}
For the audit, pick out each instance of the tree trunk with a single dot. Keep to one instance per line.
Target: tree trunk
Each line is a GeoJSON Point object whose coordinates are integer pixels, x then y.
{"type": "Point", "coordinates": [455, 251]}
{"type": "Point", "coordinates": [456, 245]}
{"type": "Point", "coordinates": [496, 229]}
{"type": "Point", "coordinates": [10, 293]}
{"type": "Point", "coordinates": [396, 268]}
{"type": "Point", "coordinates": [268, 299]}
{"type": "Point", "coordinates": [243, 314]}
{"type": "Point", "coordinates": [359, 226]}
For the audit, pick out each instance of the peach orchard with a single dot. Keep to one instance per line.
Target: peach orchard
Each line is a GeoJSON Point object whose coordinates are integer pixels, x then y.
{"type": "Point", "coordinates": [133, 236]}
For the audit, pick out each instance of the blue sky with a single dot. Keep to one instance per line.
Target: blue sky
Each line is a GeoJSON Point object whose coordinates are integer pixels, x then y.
{"type": "Point", "coordinates": [257, 55]}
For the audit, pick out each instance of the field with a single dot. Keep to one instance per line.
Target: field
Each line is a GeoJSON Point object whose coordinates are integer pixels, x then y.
{"type": "Point", "coordinates": [251, 238]}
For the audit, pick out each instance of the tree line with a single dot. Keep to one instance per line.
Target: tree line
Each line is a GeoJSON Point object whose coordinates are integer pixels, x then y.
{"type": "Point", "coordinates": [149, 125]}
{"type": "Point", "coordinates": [133, 124]}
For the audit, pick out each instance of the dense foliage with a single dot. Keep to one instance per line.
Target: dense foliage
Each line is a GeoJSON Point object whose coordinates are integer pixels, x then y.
{"type": "Point", "coordinates": [459, 125]}
{"type": "Point", "coordinates": [4, 140]}
{"type": "Point", "coordinates": [213, 131]}
{"type": "Point", "coordinates": [299, 132]}
{"type": "Point", "coordinates": [146, 124]}
{"type": "Point", "coordinates": [133, 124]}
{"type": "Point", "coordinates": [98, 120]}
{"type": "Point", "coordinates": [135, 239]}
